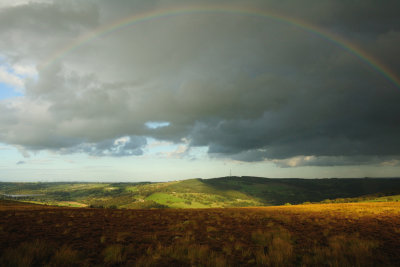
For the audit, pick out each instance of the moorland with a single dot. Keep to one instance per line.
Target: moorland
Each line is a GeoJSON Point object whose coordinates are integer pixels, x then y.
{"type": "Point", "coordinates": [346, 234]}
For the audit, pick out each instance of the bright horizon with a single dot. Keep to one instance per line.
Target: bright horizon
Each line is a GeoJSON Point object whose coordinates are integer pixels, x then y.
{"type": "Point", "coordinates": [100, 91]}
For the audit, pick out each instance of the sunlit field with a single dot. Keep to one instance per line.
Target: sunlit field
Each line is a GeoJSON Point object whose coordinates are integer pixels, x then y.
{"type": "Point", "coordinates": [356, 234]}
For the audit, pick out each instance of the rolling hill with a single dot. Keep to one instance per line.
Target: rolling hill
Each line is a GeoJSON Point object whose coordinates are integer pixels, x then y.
{"type": "Point", "coordinates": [203, 193]}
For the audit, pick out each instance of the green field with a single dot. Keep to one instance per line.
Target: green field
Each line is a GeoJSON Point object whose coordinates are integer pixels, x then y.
{"type": "Point", "coordinates": [207, 193]}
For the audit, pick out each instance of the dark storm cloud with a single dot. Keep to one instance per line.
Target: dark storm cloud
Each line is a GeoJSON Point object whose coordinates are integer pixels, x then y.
{"type": "Point", "coordinates": [249, 88]}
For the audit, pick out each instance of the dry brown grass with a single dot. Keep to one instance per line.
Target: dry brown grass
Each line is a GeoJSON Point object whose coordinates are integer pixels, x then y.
{"type": "Point", "coordinates": [33, 253]}
{"type": "Point", "coordinates": [182, 255]}
{"type": "Point", "coordinates": [276, 247]}
{"type": "Point", "coordinates": [343, 251]}
{"type": "Point", "coordinates": [114, 255]}
{"type": "Point", "coordinates": [66, 257]}
{"type": "Point", "coordinates": [357, 234]}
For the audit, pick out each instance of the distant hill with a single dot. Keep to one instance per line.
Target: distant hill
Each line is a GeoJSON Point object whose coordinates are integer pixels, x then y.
{"type": "Point", "coordinates": [295, 191]}
{"type": "Point", "coordinates": [203, 193]}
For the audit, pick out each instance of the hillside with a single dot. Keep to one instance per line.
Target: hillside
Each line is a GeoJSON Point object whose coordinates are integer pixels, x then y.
{"type": "Point", "coordinates": [201, 193]}
{"type": "Point", "coordinates": [295, 191]}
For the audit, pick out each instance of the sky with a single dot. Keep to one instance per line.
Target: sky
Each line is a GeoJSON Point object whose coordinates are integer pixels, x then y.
{"type": "Point", "coordinates": [162, 90]}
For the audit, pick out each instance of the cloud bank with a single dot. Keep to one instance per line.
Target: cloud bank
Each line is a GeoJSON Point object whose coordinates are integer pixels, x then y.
{"type": "Point", "coordinates": [247, 87]}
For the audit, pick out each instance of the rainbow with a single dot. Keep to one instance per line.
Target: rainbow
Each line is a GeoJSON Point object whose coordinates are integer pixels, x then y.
{"type": "Point", "coordinates": [345, 44]}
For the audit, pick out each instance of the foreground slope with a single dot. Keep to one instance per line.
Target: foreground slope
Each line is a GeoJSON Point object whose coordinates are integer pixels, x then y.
{"type": "Point", "coordinates": [357, 234]}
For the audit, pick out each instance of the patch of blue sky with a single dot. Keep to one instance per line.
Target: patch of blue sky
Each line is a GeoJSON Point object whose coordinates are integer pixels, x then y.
{"type": "Point", "coordinates": [12, 77]}
{"type": "Point", "coordinates": [156, 124]}
{"type": "Point", "coordinates": [8, 91]}
{"type": "Point", "coordinates": [9, 155]}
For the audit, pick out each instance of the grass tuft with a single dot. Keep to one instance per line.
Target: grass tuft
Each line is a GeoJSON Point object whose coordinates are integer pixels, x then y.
{"type": "Point", "coordinates": [275, 247]}
{"type": "Point", "coordinates": [66, 257]}
{"type": "Point", "coordinates": [114, 254]}
{"type": "Point", "coordinates": [35, 253]}
{"type": "Point", "coordinates": [343, 250]}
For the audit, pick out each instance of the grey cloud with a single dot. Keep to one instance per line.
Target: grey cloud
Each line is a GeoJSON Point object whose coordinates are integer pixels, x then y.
{"type": "Point", "coordinates": [51, 18]}
{"type": "Point", "coordinates": [20, 162]}
{"type": "Point", "coordinates": [119, 147]}
{"type": "Point", "coordinates": [31, 32]}
{"type": "Point", "coordinates": [248, 88]}
{"type": "Point", "coordinates": [299, 161]}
